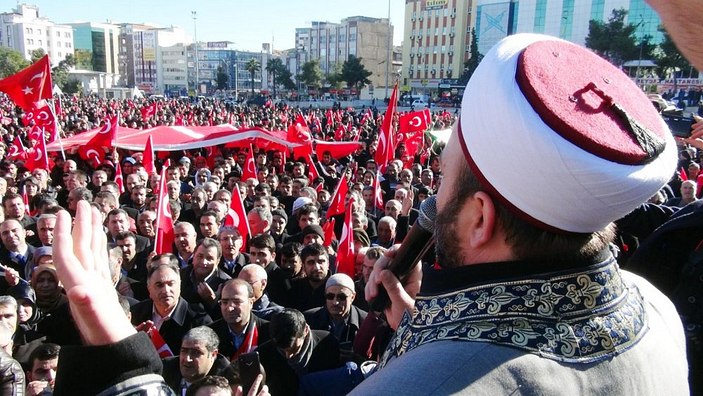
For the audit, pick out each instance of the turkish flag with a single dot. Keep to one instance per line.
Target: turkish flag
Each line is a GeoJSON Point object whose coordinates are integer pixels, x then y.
{"type": "Point", "coordinates": [299, 132]}
{"type": "Point", "coordinates": [93, 150]}
{"type": "Point", "coordinates": [337, 149]}
{"type": "Point", "coordinates": [119, 179]}
{"type": "Point", "coordinates": [29, 85]}
{"type": "Point", "coordinates": [25, 198]}
{"type": "Point", "coordinates": [36, 157]}
{"type": "Point", "coordinates": [160, 344]}
{"type": "Point", "coordinates": [414, 121]}
{"type": "Point", "coordinates": [16, 149]}
{"type": "Point", "coordinates": [237, 216]}
{"type": "Point", "coordinates": [42, 117]}
{"type": "Point", "coordinates": [36, 133]}
{"type": "Point", "coordinates": [385, 149]}
{"type": "Point", "coordinates": [312, 170]}
{"type": "Point", "coordinates": [148, 112]}
{"type": "Point", "coordinates": [328, 230]}
{"type": "Point", "coordinates": [249, 170]}
{"type": "Point", "coordinates": [337, 202]}
{"type": "Point", "coordinates": [163, 242]}
{"type": "Point", "coordinates": [148, 157]}
{"type": "Point", "coordinates": [345, 254]}
{"type": "Point", "coordinates": [377, 192]}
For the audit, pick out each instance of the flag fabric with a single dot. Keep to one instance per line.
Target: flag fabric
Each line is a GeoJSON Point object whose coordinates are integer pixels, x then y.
{"type": "Point", "coordinates": [25, 198]}
{"type": "Point", "coordinates": [36, 157]}
{"type": "Point", "coordinates": [41, 117]}
{"type": "Point", "coordinates": [163, 241]}
{"type": "Point", "coordinates": [16, 149]}
{"type": "Point", "coordinates": [340, 193]}
{"type": "Point", "coordinates": [119, 180]}
{"type": "Point", "coordinates": [148, 157]}
{"type": "Point", "coordinates": [377, 192]}
{"type": "Point", "coordinates": [328, 231]}
{"type": "Point", "coordinates": [312, 169]}
{"type": "Point", "coordinates": [237, 216]}
{"type": "Point", "coordinates": [249, 170]}
{"type": "Point", "coordinates": [414, 121]}
{"type": "Point", "coordinates": [683, 174]}
{"type": "Point", "coordinates": [94, 149]}
{"type": "Point", "coordinates": [35, 133]}
{"type": "Point", "coordinates": [299, 132]}
{"type": "Point", "coordinates": [345, 254]}
{"type": "Point", "coordinates": [160, 344]}
{"type": "Point", "coordinates": [148, 111]}
{"type": "Point", "coordinates": [384, 151]}
{"type": "Point", "coordinates": [251, 341]}
{"type": "Point", "coordinates": [29, 85]}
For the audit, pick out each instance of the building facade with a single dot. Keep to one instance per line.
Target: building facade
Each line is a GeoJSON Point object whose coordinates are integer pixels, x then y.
{"type": "Point", "coordinates": [213, 55]}
{"type": "Point", "coordinates": [25, 31]}
{"type": "Point", "coordinates": [96, 46]}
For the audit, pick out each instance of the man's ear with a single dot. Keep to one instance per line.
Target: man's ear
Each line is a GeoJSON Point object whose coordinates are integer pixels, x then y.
{"type": "Point", "coordinates": [478, 218]}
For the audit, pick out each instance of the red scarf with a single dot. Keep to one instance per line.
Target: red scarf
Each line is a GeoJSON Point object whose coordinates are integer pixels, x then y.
{"type": "Point", "coordinates": [251, 341]}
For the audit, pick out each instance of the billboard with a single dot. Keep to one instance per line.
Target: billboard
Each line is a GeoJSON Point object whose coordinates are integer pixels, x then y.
{"type": "Point", "coordinates": [435, 4]}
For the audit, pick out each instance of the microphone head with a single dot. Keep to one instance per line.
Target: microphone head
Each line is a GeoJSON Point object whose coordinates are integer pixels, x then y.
{"type": "Point", "coordinates": [428, 212]}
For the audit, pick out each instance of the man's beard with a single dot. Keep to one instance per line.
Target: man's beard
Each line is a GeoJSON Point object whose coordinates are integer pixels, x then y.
{"type": "Point", "coordinates": [447, 244]}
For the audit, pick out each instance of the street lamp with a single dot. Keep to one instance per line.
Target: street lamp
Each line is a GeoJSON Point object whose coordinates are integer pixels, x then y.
{"type": "Point", "coordinates": [194, 14]}
{"type": "Point", "coordinates": [639, 61]}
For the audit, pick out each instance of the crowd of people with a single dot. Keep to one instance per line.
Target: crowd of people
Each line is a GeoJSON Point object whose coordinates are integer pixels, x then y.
{"type": "Point", "coordinates": [528, 290]}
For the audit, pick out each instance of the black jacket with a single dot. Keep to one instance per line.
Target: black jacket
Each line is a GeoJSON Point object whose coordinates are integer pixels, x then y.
{"type": "Point", "coordinates": [172, 371]}
{"type": "Point", "coordinates": [319, 319]}
{"type": "Point", "coordinates": [226, 347]}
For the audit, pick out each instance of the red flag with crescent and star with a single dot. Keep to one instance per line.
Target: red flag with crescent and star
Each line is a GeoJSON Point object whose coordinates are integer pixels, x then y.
{"type": "Point", "coordinates": [94, 149]}
{"type": "Point", "coordinates": [148, 157]}
{"type": "Point", "coordinates": [163, 241]}
{"type": "Point", "coordinates": [237, 216]}
{"type": "Point", "coordinates": [340, 193]}
{"type": "Point", "coordinates": [29, 85]}
{"type": "Point", "coordinates": [16, 149]}
{"type": "Point", "coordinates": [36, 156]}
{"type": "Point", "coordinates": [414, 121]}
{"type": "Point", "coordinates": [386, 147]}
{"type": "Point", "coordinates": [249, 170]}
{"type": "Point", "coordinates": [345, 254]}
{"type": "Point", "coordinates": [119, 179]}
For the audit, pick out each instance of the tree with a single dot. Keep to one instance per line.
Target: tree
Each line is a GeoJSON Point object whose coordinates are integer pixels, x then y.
{"type": "Point", "coordinates": [71, 87]}
{"type": "Point", "coordinates": [11, 62]}
{"type": "Point", "coordinates": [275, 67]}
{"type": "Point", "coordinates": [59, 74]}
{"type": "Point", "coordinates": [37, 54]}
{"type": "Point", "coordinates": [475, 58]}
{"type": "Point", "coordinates": [84, 59]}
{"type": "Point", "coordinates": [614, 40]}
{"type": "Point", "coordinates": [669, 59]}
{"type": "Point", "coordinates": [311, 75]}
{"type": "Point", "coordinates": [222, 78]}
{"type": "Point", "coordinates": [252, 66]}
{"type": "Point", "coordinates": [354, 73]}
{"type": "Point", "coordinates": [286, 79]}
{"type": "Point", "coordinates": [334, 77]}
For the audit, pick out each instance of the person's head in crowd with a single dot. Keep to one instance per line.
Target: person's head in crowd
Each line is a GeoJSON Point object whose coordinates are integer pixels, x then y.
{"type": "Point", "coordinates": [368, 197]}
{"type": "Point", "coordinates": [360, 220]}
{"type": "Point", "coordinates": [205, 258]}
{"type": "Point", "coordinates": [42, 256]}
{"type": "Point", "coordinates": [290, 261]}
{"type": "Point", "coordinates": [285, 186]}
{"type": "Point", "coordinates": [223, 196]}
{"type": "Point", "coordinates": [210, 189]}
{"type": "Point", "coordinates": [435, 165]}
{"type": "Point", "coordinates": [298, 170]}
{"type": "Point", "coordinates": [274, 203]}
{"type": "Point", "coordinates": [313, 234]}
{"type": "Point", "coordinates": [393, 208]}
{"type": "Point", "coordinates": [45, 228]}
{"type": "Point", "coordinates": [106, 202]}
{"type": "Point", "coordinates": [111, 187]}
{"type": "Point", "coordinates": [13, 204]}
{"type": "Point", "coordinates": [44, 362]}
{"type": "Point", "coordinates": [261, 174]}
{"type": "Point", "coordinates": [251, 184]}
{"type": "Point", "coordinates": [202, 176]}
{"type": "Point", "coordinates": [262, 189]}
{"type": "Point", "coordinates": [3, 186]}
{"type": "Point", "coordinates": [76, 195]}
{"type": "Point", "coordinates": [146, 224]}
{"type": "Point", "coordinates": [138, 195]}
{"type": "Point", "coordinates": [210, 385]}
{"type": "Point", "coordinates": [279, 219]}
{"type": "Point", "coordinates": [262, 202]}
{"type": "Point", "coordinates": [299, 184]}
{"type": "Point", "coordinates": [272, 181]}
{"type": "Point", "coordinates": [406, 177]}
{"type": "Point", "coordinates": [219, 171]}
{"type": "Point", "coordinates": [256, 276]}
{"type": "Point", "coordinates": [231, 242]}
{"type": "Point", "coordinates": [236, 302]}
{"type": "Point", "coordinates": [155, 182]}
{"type": "Point", "coordinates": [163, 258]}
{"type": "Point", "coordinates": [184, 238]}
{"type": "Point", "coordinates": [688, 190]}
{"type": "Point", "coordinates": [316, 263]}
{"type": "Point", "coordinates": [370, 258]}
{"type": "Point", "coordinates": [323, 197]}
{"type": "Point", "coordinates": [361, 239]}
{"type": "Point", "coordinates": [127, 241]}
{"type": "Point", "coordinates": [219, 208]}
{"type": "Point", "coordinates": [8, 321]}
{"type": "Point", "coordinates": [184, 163]}
{"type": "Point", "coordinates": [13, 236]}
{"type": "Point", "coordinates": [422, 194]}
{"type": "Point", "coordinates": [128, 165]}
{"type": "Point", "coordinates": [217, 181]}
{"type": "Point", "coordinates": [164, 286]}
{"type": "Point", "coordinates": [426, 177]}
{"type": "Point", "coordinates": [392, 172]}
{"type": "Point", "coordinates": [47, 286]}
{"type": "Point", "coordinates": [132, 181]}
{"type": "Point", "coordinates": [198, 199]}
{"type": "Point", "coordinates": [173, 173]}
{"type": "Point", "coordinates": [386, 231]}
{"type": "Point", "coordinates": [358, 187]}
{"type": "Point", "coordinates": [262, 249]}
{"type": "Point", "coordinates": [198, 353]}
{"type": "Point", "coordinates": [173, 189]}
{"type": "Point", "coordinates": [339, 295]}
{"type": "Point", "coordinates": [307, 215]}
{"type": "Point", "coordinates": [200, 162]}
{"type": "Point", "coordinates": [371, 166]}
{"type": "Point", "coordinates": [260, 220]}
{"type": "Point", "coordinates": [115, 258]}
{"type": "Point", "coordinates": [117, 221]}
{"type": "Point", "coordinates": [31, 186]}
{"type": "Point", "coordinates": [69, 166]}
{"type": "Point", "coordinates": [98, 178]}
{"type": "Point", "coordinates": [209, 224]}
{"type": "Point", "coordinates": [289, 332]}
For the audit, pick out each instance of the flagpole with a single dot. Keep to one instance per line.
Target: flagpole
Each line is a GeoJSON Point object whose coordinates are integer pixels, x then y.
{"type": "Point", "coordinates": [57, 128]}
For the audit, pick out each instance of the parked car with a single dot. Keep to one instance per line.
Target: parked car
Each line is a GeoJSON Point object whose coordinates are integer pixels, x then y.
{"type": "Point", "coordinates": [419, 103]}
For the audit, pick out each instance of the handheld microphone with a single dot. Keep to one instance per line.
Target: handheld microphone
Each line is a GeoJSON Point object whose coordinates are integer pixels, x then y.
{"type": "Point", "coordinates": [419, 239]}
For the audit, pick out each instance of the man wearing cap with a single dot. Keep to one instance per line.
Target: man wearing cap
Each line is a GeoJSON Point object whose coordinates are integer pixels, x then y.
{"type": "Point", "coordinates": [525, 296]}
{"type": "Point", "coordinates": [338, 315]}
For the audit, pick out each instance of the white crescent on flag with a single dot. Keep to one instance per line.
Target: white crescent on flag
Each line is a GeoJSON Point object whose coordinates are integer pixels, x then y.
{"type": "Point", "coordinates": [165, 208]}
{"type": "Point", "coordinates": [416, 121]}
{"type": "Point", "coordinates": [106, 128]}
{"type": "Point", "coordinates": [250, 166]}
{"type": "Point", "coordinates": [235, 218]}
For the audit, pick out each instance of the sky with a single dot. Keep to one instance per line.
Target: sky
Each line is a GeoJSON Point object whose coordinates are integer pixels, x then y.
{"type": "Point", "coordinates": [247, 24]}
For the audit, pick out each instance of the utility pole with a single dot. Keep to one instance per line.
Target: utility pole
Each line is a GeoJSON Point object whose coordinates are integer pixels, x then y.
{"type": "Point", "coordinates": [388, 50]}
{"type": "Point", "coordinates": [195, 42]}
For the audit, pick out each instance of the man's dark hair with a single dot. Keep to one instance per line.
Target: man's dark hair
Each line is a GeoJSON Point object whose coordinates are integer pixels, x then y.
{"type": "Point", "coordinates": [263, 241]}
{"type": "Point", "coordinates": [172, 258]}
{"type": "Point", "coordinates": [286, 326]}
{"type": "Point", "coordinates": [82, 193]}
{"type": "Point", "coordinates": [210, 213]}
{"type": "Point", "coordinates": [170, 265]}
{"type": "Point", "coordinates": [291, 249]}
{"type": "Point", "coordinates": [285, 179]}
{"type": "Point", "coordinates": [216, 381]}
{"type": "Point", "coordinates": [527, 241]}
{"type": "Point", "coordinates": [262, 187]}
{"type": "Point", "coordinates": [208, 243]}
{"type": "Point", "coordinates": [45, 351]}
{"type": "Point", "coordinates": [122, 235]}
{"type": "Point", "coordinates": [307, 209]}
{"type": "Point", "coordinates": [375, 252]}
{"type": "Point", "coordinates": [313, 249]}
{"type": "Point", "coordinates": [10, 196]}
{"type": "Point", "coordinates": [116, 211]}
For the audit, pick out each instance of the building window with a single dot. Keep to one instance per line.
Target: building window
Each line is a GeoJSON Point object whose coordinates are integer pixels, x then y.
{"type": "Point", "coordinates": [436, 31]}
{"type": "Point", "coordinates": [39, 42]}
{"type": "Point", "coordinates": [38, 31]}
{"type": "Point", "coordinates": [444, 48]}
{"type": "Point", "coordinates": [58, 34]}
{"type": "Point", "coordinates": [60, 55]}
{"type": "Point", "coordinates": [435, 49]}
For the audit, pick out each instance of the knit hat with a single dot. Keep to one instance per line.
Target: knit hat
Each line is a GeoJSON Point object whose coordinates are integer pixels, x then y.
{"type": "Point", "coordinates": [300, 202]}
{"type": "Point", "coordinates": [313, 229]}
{"type": "Point", "coordinates": [340, 280]}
